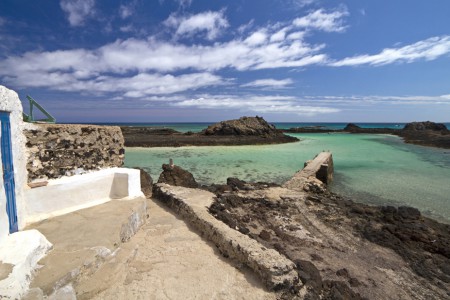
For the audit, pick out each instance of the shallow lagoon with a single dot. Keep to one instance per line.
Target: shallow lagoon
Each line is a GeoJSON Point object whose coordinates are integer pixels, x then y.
{"type": "Point", "coordinates": [375, 169]}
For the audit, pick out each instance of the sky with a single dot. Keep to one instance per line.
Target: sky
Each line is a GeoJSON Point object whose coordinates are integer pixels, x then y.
{"type": "Point", "coordinates": [205, 61]}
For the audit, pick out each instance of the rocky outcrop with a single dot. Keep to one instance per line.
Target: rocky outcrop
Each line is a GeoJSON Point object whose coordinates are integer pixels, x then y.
{"type": "Point", "coordinates": [352, 127]}
{"type": "Point", "coordinates": [176, 176]}
{"type": "Point", "coordinates": [333, 242]}
{"type": "Point", "coordinates": [421, 126]}
{"type": "Point", "coordinates": [244, 131]}
{"type": "Point", "coordinates": [56, 150]}
{"type": "Point", "coordinates": [427, 134]}
{"type": "Point", "coordinates": [253, 126]}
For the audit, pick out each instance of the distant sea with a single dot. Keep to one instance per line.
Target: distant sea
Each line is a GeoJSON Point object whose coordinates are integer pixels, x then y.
{"type": "Point", "coordinates": [373, 169]}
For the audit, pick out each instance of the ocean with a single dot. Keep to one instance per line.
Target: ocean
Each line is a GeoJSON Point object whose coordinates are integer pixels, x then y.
{"type": "Point", "coordinates": [373, 169]}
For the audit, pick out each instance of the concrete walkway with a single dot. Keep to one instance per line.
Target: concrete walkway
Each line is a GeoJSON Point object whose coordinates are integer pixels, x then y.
{"type": "Point", "coordinates": [168, 260]}
{"type": "Point", "coordinates": [164, 260]}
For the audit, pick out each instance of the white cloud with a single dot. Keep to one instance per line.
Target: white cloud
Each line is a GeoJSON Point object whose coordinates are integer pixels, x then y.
{"type": "Point", "coordinates": [2, 21]}
{"type": "Point", "coordinates": [127, 28]}
{"type": "Point", "coordinates": [273, 83]}
{"type": "Point", "coordinates": [321, 20]}
{"type": "Point", "coordinates": [377, 99]}
{"type": "Point", "coordinates": [256, 38]}
{"type": "Point", "coordinates": [136, 86]}
{"type": "Point", "coordinates": [428, 49]}
{"type": "Point", "coordinates": [210, 23]}
{"type": "Point", "coordinates": [78, 10]}
{"type": "Point", "coordinates": [184, 3]}
{"type": "Point", "coordinates": [255, 103]}
{"type": "Point", "coordinates": [301, 3]}
{"type": "Point", "coordinates": [127, 10]}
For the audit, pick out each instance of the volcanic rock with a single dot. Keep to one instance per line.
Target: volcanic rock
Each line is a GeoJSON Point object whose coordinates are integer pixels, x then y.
{"type": "Point", "coordinates": [175, 175]}
{"type": "Point", "coordinates": [243, 126]}
{"type": "Point", "coordinates": [420, 126]}
{"type": "Point", "coordinates": [352, 127]}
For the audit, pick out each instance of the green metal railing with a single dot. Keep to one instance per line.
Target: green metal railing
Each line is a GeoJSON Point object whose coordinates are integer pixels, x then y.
{"type": "Point", "coordinates": [30, 117]}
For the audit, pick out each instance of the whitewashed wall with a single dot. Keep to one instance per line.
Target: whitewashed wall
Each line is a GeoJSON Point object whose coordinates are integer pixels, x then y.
{"type": "Point", "coordinates": [9, 101]}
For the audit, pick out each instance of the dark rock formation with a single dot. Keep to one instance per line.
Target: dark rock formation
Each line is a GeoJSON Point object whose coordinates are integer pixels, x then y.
{"type": "Point", "coordinates": [245, 131]}
{"type": "Point", "coordinates": [146, 183]}
{"type": "Point", "coordinates": [57, 150]}
{"type": "Point", "coordinates": [177, 176]}
{"type": "Point", "coordinates": [427, 134]}
{"type": "Point", "coordinates": [420, 126]}
{"type": "Point", "coordinates": [254, 126]}
{"type": "Point", "coordinates": [352, 127]}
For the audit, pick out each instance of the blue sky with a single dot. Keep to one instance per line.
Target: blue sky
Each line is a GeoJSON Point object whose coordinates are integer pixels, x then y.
{"type": "Point", "coordinates": [192, 60]}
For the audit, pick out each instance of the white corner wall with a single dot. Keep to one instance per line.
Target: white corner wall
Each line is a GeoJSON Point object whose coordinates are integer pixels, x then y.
{"type": "Point", "coordinates": [71, 193]}
{"type": "Point", "coordinates": [10, 102]}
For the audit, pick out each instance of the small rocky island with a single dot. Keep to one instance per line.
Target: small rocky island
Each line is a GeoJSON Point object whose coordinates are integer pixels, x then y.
{"type": "Point", "coordinates": [420, 133]}
{"type": "Point", "coordinates": [243, 131]}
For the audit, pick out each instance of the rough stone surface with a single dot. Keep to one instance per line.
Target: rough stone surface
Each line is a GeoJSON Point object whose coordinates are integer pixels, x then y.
{"type": "Point", "coordinates": [427, 134]}
{"type": "Point", "coordinates": [62, 150]}
{"type": "Point", "coordinates": [420, 126]}
{"type": "Point", "coordinates": [342, 249]}
{"type": "Point", "coordinates": [244, 131]}
{"type": "Point", "coordinates": [243, 126]}
{"type": "Point", "coordinates": [351, 127]}
{"type": "Point", "coordinates": [275, 270]}
{"type": "Point", "coordinates": [316, 172]}
{"type": "Point", "coordinates": [177, 176]}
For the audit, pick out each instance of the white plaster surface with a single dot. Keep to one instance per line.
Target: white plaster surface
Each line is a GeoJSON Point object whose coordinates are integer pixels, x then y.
{"type": "Point", "coordinates": [23, 250]}
{"type": "Point", "coordinates": [10, 102]}
{"type": "Point", "coordinates": [71, 193]}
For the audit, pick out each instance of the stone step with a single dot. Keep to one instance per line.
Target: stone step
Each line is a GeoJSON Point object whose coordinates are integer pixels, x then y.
{"type": "Point", "coordinates": [83, 241]}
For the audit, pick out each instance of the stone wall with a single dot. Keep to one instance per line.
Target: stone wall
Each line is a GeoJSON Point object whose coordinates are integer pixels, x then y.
{"type": "Point", "coordinates": [56, 150]}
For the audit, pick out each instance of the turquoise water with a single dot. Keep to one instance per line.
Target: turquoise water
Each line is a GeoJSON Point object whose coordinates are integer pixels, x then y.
{"type": "Point", "coordinates": [374, 169]}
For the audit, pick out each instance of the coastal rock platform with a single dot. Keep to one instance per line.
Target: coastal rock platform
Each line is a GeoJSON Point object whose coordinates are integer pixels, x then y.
{"type": "Point", "coordinates": [419, 133]}
{"type": "Point", "coordinates": [244, 131]}
{"type": "Point", "coordinates": [340, 249]}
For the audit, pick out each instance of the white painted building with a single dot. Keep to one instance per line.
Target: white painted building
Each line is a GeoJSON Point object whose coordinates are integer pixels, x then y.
{"type": "Point", "coordinates": [11, 116]}
{"type": "Point", "coordinates": [21, 205]}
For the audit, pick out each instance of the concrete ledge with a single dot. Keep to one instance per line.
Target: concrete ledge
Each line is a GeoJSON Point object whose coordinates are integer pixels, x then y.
{"type": "Point", "coordinates": [84, 240]}
{"type": "Point", "coordinates": [19, 256]}
{"type": "Point", "coordinates": [68, 194]}
{"type": "Point", "coordinates": [321, 168]}
{"type": "Point", "coordinates": [274, 269]}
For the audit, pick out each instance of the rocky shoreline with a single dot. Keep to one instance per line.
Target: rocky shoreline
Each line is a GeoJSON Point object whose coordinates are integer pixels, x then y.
{"type": "Point", "coordinates": [419, 133]}
{"type": "Point", "coordinates": [341, 249]}
{"type": "Point", "coordinates": [244, 131]}
{"type": "Point", "coordinates": [256, 131]}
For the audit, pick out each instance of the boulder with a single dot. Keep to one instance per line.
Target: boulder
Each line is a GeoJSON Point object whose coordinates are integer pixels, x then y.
{"type": "Point", "coordinates": [175, 175]}
{"type": "Point", "coordinates": [420, 126]}
{"type": "Point", "coordinates": [245, 126]}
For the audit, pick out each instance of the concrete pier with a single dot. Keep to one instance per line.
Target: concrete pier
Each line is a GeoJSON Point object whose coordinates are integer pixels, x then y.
{"type": "Point", "coordinates": [321, 168]}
